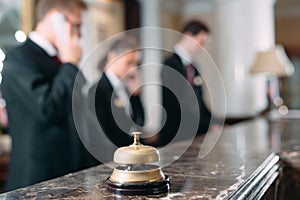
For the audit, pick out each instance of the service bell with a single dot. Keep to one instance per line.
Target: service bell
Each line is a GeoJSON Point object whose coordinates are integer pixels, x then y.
{"type": "Point", "coordinates": [136, 172]}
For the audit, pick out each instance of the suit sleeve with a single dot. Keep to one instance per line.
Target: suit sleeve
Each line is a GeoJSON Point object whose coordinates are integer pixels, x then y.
{"type": "Point", "coordinates": [55, 98]}
{"type": "Point", "coordinates": [172, 115]}
{"type": "Point", "coordinates": [46, 98]}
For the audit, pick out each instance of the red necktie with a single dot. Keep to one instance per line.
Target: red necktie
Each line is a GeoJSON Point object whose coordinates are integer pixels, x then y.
{"type": "Point", "coordinates": [190, 73]}
{"type": "Point", "coordinates": [56, 58]}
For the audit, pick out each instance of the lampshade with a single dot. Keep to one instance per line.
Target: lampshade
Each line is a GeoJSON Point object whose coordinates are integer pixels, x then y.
{"type": "Point", "coordinates": [274, 62]}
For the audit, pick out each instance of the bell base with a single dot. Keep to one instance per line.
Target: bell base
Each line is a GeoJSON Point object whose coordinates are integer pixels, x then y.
{"type": "Point", "coordinates": [143, 188]}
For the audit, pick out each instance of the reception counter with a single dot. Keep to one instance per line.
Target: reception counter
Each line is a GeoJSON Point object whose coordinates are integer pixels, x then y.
{"type": "Point", "coordinates": [257, 159]}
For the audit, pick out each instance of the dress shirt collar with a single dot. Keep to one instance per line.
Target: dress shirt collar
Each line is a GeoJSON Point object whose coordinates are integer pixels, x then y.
{"type": "Point", "coordinates": [185, 57]}
{"type": "Point", "coordinates": [43, 43]}
{"type": "Point", "coordinates": [121, 91]}
{"type": "Point", "coordinates": [114, 80]}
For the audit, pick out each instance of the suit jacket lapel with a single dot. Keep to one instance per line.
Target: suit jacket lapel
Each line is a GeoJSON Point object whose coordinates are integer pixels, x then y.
{"type": "Point", "coordinates": [48, 65]}
{"type": "Point", "coordinates": [182, 67]}
{"type": "Point", "coordinates": [117, 104]}
{"type": "Point", "coordinates": [111, 95]}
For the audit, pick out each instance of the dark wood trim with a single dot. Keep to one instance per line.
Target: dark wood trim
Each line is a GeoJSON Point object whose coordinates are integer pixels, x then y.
{"type": "Point", "coordinates": [132, 14]}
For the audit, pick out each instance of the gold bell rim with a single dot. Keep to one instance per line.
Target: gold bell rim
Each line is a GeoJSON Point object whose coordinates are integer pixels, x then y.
{"type": "Point", "coordinates": [122, 176]}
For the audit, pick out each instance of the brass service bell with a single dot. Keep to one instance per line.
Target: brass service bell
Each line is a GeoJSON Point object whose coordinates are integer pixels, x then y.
{"type": "Point", "coordinates": [137, 173]}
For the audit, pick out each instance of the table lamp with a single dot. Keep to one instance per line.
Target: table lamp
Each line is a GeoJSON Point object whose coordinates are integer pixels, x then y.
{"type": "Point", "coordinates": [275, 64]}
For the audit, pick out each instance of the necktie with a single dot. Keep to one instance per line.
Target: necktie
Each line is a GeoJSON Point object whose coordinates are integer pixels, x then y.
{"type": "Point", "coordinates": [58, 61]}
{"type": "Point", "coordinates": [190, 73]}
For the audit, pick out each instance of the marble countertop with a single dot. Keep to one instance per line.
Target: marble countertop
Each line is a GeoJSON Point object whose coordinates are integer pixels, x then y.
{"type": "Point", "coordinates": [243, 164]}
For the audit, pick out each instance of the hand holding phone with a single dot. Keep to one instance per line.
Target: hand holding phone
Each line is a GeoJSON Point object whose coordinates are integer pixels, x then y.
{"type": "Point", "coordinates": [59, 25]}
{"type": "Point", "coordinates": [66, 42]}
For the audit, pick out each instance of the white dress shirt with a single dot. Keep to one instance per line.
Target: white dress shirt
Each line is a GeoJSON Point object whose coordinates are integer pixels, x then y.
{"type": "Point", "coordinates": [43, 43]}
{"type": "Point", "coordinates": [121, 91]}
{"type": "Point", "coordinates": [185, 57]}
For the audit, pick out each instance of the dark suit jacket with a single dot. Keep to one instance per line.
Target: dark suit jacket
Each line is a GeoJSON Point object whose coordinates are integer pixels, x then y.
{"type": "Point", "coordinates": [116, 124]}
{"type": "Point", "coordinates": [171, 103]}
{"type": "Point", "coordinates": [38, 94]}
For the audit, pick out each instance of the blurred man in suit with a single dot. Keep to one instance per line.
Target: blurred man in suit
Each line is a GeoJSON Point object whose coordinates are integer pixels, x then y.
{"type": "Point", "coordinates": [119, 110]}
{"type": "Point", "coordinates": [195, 35]}
{"type": "Point", "coordinates": [38, 79]}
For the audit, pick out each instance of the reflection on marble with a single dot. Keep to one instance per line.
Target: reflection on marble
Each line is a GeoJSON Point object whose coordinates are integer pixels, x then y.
{"type": "Point", "coordinates": [241, 165]}
{"type": "Point", "coordinates": [289, 184]}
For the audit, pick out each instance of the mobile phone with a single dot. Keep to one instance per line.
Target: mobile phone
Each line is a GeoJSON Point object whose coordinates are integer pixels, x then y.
{"type": "Point", "coordinates": [59, 25]}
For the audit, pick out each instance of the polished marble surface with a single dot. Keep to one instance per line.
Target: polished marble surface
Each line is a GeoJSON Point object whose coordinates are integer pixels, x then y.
{"type": "Point", "coordinates": [245, 154]}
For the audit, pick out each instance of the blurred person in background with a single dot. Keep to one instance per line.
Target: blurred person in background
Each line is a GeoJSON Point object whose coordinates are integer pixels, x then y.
{"type": "Point", "coordinates": [38, 79]}
{"type": "Point", "coordinates": [195, 36]}
{"type": "Point", "coordinates": [118, 106]}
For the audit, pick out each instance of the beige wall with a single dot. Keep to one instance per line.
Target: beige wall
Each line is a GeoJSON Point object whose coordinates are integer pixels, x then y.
{"type": "Point", "coordinates": [27, 15]}
{"type": "Point", "coordinates": [103, 19]}
{"type": "Point", "coordinates": [170, 20]}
